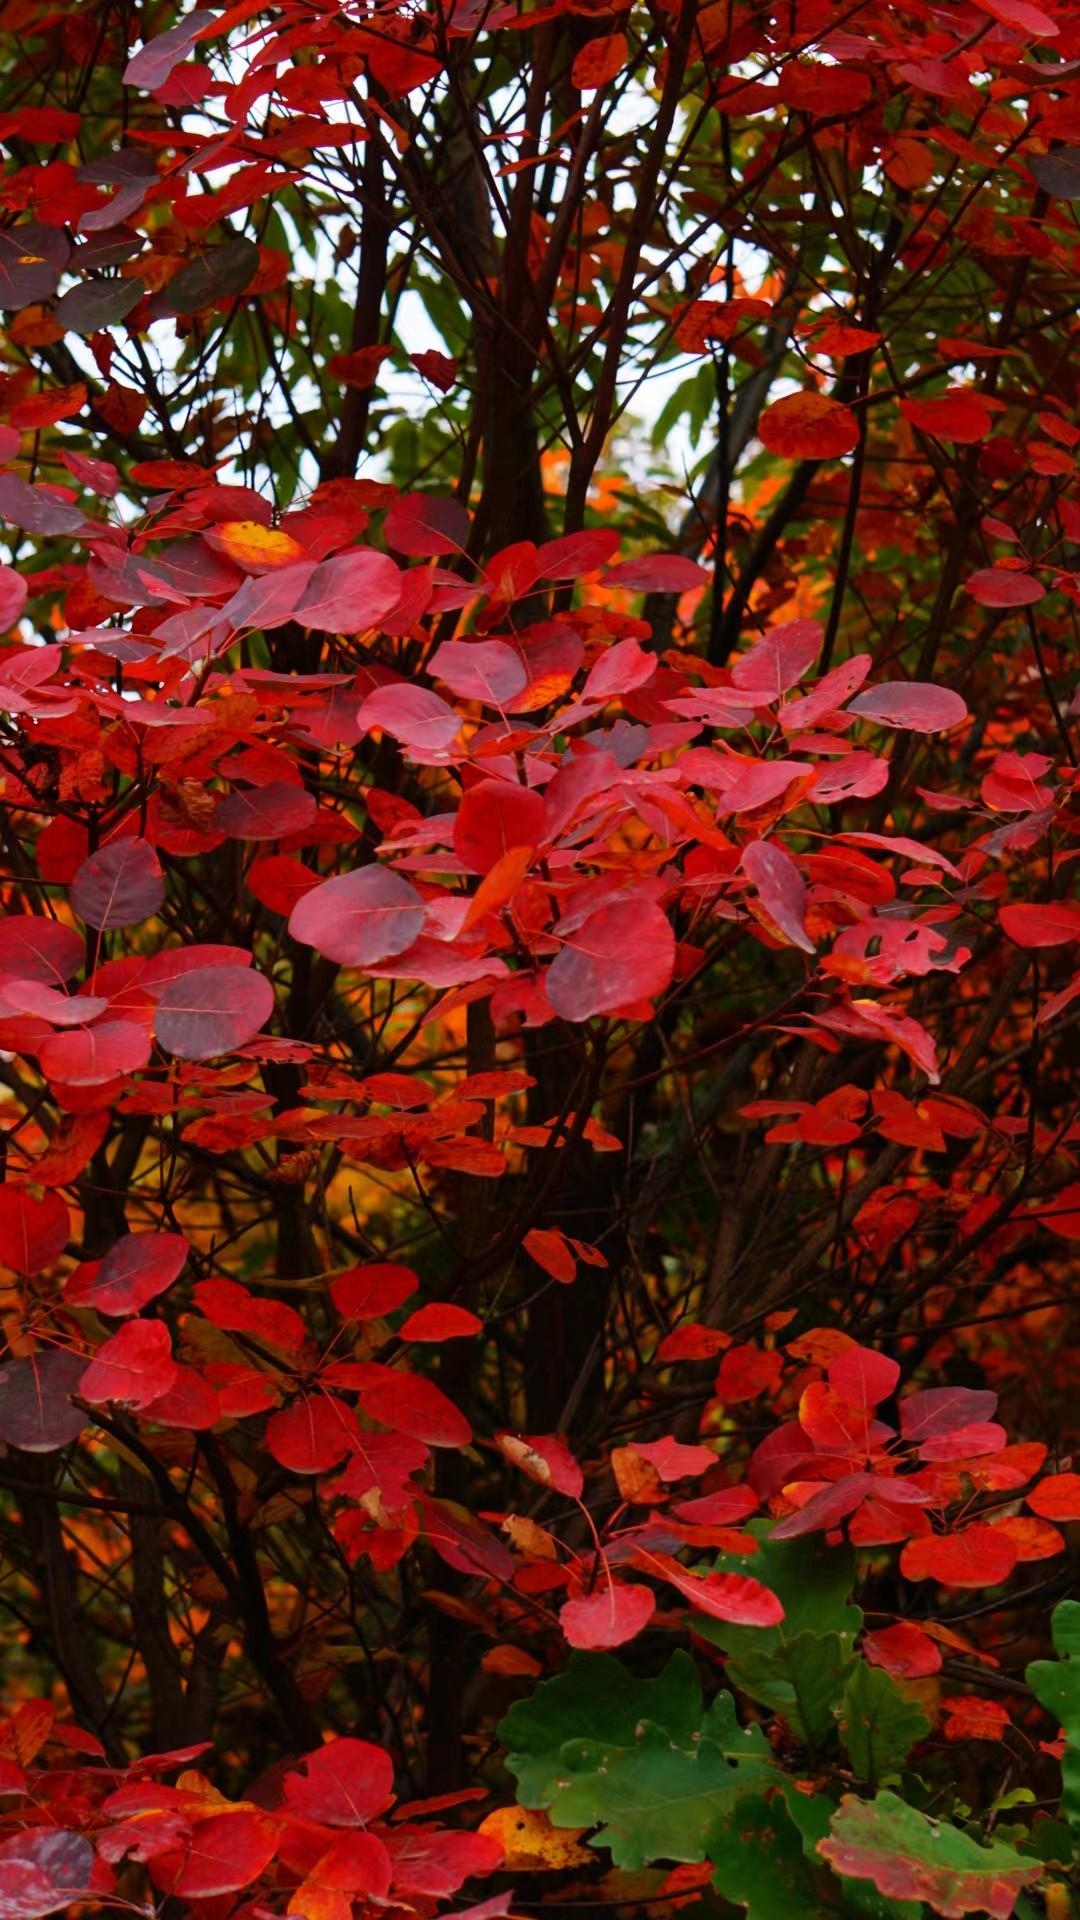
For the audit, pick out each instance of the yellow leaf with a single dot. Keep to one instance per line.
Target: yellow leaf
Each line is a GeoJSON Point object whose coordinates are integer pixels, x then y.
{"type": "Point", "coordinates": [258, 548]}
{"type": "Point", "coordinates": [531, 1844]}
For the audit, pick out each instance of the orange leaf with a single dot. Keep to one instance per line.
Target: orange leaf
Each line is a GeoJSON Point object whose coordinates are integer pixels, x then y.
{"type": "Point", "coordinates": [258, 549]}
{"type": "Point", "coordinates": [547, 1246]}
{"type": "Point", "coordinates": [599, 61]}
{"type": "Point", "coordinates": [359, 369]}
{"type": "Point", "coordinates": [808, 426]}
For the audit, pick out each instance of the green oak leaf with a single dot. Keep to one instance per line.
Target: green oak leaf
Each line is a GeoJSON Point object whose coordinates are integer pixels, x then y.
{"type": "Point", "coordinates": [801, 1678]}
{"type": "Point", "coordinates": [644, 1761]}
{"type": "Point", "coordinates": [911, 1857]}
{"type": "Point", "coordinates": [767, 1863]}
{"type": "Point", "coordinates": [796, 1669]}
{"type": "Point", "coordinates": [1056, 1686]}
{"type": "Point", "coordinates": [878, 1725]}
{"type": "Point", "coordinates": [813, 1582]}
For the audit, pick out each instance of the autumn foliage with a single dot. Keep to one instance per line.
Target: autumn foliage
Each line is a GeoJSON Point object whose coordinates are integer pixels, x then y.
{"type": "Point", "coordinates": [538, 991]}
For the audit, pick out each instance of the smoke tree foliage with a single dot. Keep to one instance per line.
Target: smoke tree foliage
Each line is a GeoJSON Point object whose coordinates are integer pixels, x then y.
{"type": "Point", "coordinates": [541, 557]}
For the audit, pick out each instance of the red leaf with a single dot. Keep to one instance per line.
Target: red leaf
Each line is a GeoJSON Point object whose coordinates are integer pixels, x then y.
{"type": "Point", "coordinates": [724, 1596]}
{"type": "Point", "coordinates": [359, 369]}
{"type": "Point", "coordinates": [359, 918]}
{"type": "Point", "coordinates": [836, 1425]}
{"type": "Point", "coordinates": [574, 554]}
{"type": "Point", "coordinates": [36, 1414]}
{"type": "Point", "coordinates": [433, 1861]}
{"type": "Point", "coordinates": [13, 592]}
{"type": "Point", "coordinates": [691, 1342]}
{"type": "Point", "coordinates": [133, 1368]}
{"type": "Point", "coordinates": [439, 368]}
{"type": "Point", "coordinates": [1062, 1213]}
{"type": "Point", "coordinates": [33, 948]}
{"type": "Point", "coordinates": [279, 880]}
{"type": "Point", "coordinates": [440, 1320]}
{"type": "Point", "coordinates": [413, 715]}
{"type": "Point", "coordinates": [231, 1307]}
{"type": "Point", "coordinates": [969, 1717]}
{"type": "Point", "coordinates": [1033, 1539]}
{"type": "Point", "coordinates": [224, 1853]}
{"type": "Point", "coordinates": [598, 62]}
{"type": "Point", "coordinates": [312, 1434]}
{"type": "Point", "coordinates": [1020, 13]}
{"type": "Point", "coordinates": [1034, 925]}
{"type": "Point", "coordinates": [265, 813]}
{"type": "Point", "coordinates": [33, 1233]}
{"type": "Point", "coordinates": [609, 1617]}
{"type": "Point", "coordinates": [1004, 587]}
{"type": "Point", "coordinates": [962, 417]}
{"type": "Point", "coordinates": [545, 1459]}
{"type": "Point", "coordinates": [463, 1541]}
{"type": "Point", "coordinates": [780, 889]}
{"type": "Point", "coordinates": [779, 661]}
{"type": "Point", "coordinates": [426, 525]}
{"type": "Point", "coordinates": [658, 573]}
{"type": "Point", "coordinates": [155, 60]}
{"type": "Point", "coordinates": [863, 1376]}
{"type": "Point", "coordinates": [368, 1293]}
{"type": "Point", "coordinates": [913, 705]}
{"type": "Point", "coordinates": [211, 1011]}
{"type": "Point", "coordinates": [352, 593]}
{"type": "Point", "coordinates": [622, 953]}
{"type": "Point", "coordinates": [136, 1269]}
{"type": "Point", "coordinates": [979, 1556]}
{"type": "Point", "coordinates": [190, 1403]}
{"type": "Point", "coordinates": [488, 670]}
{"type": "Point", "coordinates": [551, 1250]}
{"type": "Point", "coordinates": [407, 1403]}
{"type": "Point", "coordinates": [672, 1459]}
{"type": "Point", "coordinates": [744, 1373]}
{"type": "Point", "coordinates": [92, 1056]}
{"type": "Point", "coordinates": [43, 1870]}
{"type": "Point", "coordinates": [1057, 1498]}
{"type": "Point", "coordinates": [904, 1651]}
{"type": "Point", "coordinates": [343, 1784]}
{"type": "Point", "coordinates": [386, 1462]}
{"type": "Point", "coordinates": [356, 1865]}
{"type": "Point", "coordinates": [724, 1508]}
{"type": "Point", "coordinates": [825, 1509]}
{"type": "Point", "coordinates": [965, 1443]}
{"type": "Point", "coordinates": [118, 886]}
{"type": "Point", "coordinates": [939, 1410]}
{"type": "Point", "coordinates": [808, 426]}
{"type": "Point", "coordinates": [494, 816]}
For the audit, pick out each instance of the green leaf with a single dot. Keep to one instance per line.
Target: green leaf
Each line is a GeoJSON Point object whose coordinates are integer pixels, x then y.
{"type": "Point", "coordinates": [910, 1857]}
{"type": "Point", "coordinates": [643, 1760]}
{"type": "Point", "coordinates": [1049, 1841]}
{"type": "Point", "coordinates": [811, 1814]}
{"type": "Point", "coordinates": [97, 303]}
{"type": "Point", "coordinates": [219, 275]}
{"type": "Point", "coordinates": [797, 1668]}
{"type": "Point", "coordinates": [1056, 1686]}
{"type": "Point", "coordinates": [878, 1726]}
{"type": "Point", "coordinates": [813, 1582]}
{"type": "Point", "coordinates": [1065, 1629]}
{"type": "Point", "coordinates": [760, 1864]}
{"type": "Point", "coordinates": [763, 1864]}
{"type": "Point", "coordinates": [802, 1679]}
{"type": "Point", "coordinates": [694, 398]}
